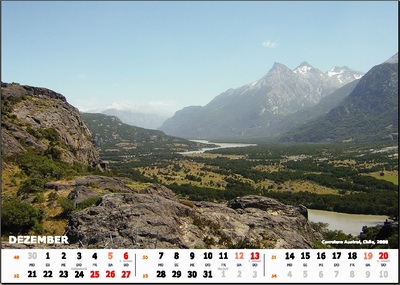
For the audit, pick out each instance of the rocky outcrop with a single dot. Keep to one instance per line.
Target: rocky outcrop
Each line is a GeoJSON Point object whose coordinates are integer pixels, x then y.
{"type": "Point", "coordinates": [29, 112]}
{"type": "Point", "coordinates": [109, 184]}
{"type": "Point", "coordinates": [157, 189]}
{"type": "Point", "coordinates": [81, 193]}
{"type": "Point", "coordinates": [156, 218]}
{"type": "Point", "coordinates": [112, 184]}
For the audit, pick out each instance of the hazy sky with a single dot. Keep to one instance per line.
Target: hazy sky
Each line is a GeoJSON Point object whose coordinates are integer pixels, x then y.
{"type": "Point", "coordinates": [168, 55]}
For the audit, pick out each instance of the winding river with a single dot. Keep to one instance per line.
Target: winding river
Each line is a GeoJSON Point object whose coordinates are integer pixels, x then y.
{"type": "Point", "coordinates": [220, 145]}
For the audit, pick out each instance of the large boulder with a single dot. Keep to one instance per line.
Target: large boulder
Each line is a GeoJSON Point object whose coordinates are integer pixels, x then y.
{"type": "Point", "coordinates": [157, 219]}
{"type": "Point", "coordinates": [81, 193]}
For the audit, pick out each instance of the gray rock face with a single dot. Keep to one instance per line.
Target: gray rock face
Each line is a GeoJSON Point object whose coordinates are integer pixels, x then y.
{"type": "Point", "coordinates": [102, 182]}
{"type": "Point", "coordinates": [81, 183]}
{"type": "Point", "coordinates": [162, 191]}
{"type": "Point", "coordinates": [129, 221]}
{"type": "Point", "coordinates": [162, 221]}
{"type": "Point", "coordinates": [81, 193]}
{"type": "Point", "coordinates": [31, 109]}
{"type": "Point", "coordinates": [262, 203]}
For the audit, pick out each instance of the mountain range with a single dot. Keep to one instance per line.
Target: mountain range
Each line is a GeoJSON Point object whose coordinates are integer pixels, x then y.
{"type": "Point", "coordinates": [368, 113]}
{"type": "Point", "coordinates": [255, 109]}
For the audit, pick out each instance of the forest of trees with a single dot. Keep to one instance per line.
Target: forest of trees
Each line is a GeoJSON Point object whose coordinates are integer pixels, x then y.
{"type": "Point", "coordinates": [338, 167]}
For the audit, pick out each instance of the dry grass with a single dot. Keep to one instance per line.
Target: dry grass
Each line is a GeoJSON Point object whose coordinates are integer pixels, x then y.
{"type": "Point", "coordinates": [346, 162]}
{"type": "Point", "coordinates": [55, 227]}
{"type": "Point", "coordinates": [302, 186]}
{"type": "Point", "coordinates": [11, 179]}
{"type": "Point", "coordinates": [138, 185]}
{"type": "Point", "coordinates": [178, 173]}
{"type": "Point", "coordinates": [268, 168]}
{"type": "Point", "coordinates": [187, 203]}
{"type": "Point", "coordinates": [391, 176]}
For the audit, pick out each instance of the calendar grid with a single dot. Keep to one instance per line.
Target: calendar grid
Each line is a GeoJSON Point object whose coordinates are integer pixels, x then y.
{"type": "Point", "coordinates": [199, 266]}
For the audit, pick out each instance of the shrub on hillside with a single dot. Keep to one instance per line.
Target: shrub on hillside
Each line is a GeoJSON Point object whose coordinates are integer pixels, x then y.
{"type": "Point", "coordinates": [19, 217]}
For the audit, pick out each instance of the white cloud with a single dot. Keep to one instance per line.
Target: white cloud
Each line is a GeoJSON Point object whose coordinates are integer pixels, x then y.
{"type": "Point", "coordinates": [123, 106]}
{"type": "Point", "coordinates": [95, 105]}
{"type": "Point", "coordinates": [82, 76]}
{"type": "Point", "coordinates": [162, 104]}
{"type": "Point", "coordinates": [158, 107]}
{"type": "Point", "coordinates": [86, 104]}
{"type": "Point", "coordinates": [270, 44]}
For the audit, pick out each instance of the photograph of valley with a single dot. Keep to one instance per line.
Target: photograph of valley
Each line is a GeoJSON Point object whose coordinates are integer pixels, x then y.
{"type": "Point", "coordinates": [201, 125]}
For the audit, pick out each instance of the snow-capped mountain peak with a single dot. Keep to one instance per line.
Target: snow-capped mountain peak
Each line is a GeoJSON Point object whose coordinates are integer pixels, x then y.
{"type": "Point", "coordinates": [336, 70]}
{"type": "Point", "coordinates": [258, 105]}
{"type": "Point", "coordinates": [343, 74]}
{"type": "Point", "coordinates": [303, 68]}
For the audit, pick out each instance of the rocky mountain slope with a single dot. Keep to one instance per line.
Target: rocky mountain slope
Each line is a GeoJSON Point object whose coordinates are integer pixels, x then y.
{"type": "Point", "coordinates": [252, 109]}
{"type": "Point", "coordinates": [327, 103]}
{"type": "Point", "coordinates": [43, 139]}
{"type": "Point", "coordinates": [42, 120]}
{"type": "Point", "coordinates": [156, 218]}
{"type": "Point", "coordinates": [369, 113]}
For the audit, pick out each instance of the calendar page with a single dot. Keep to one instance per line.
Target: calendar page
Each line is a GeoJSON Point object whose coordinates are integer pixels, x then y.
{"type": "Point", "coordinates": [207, 142]}
{"type": "Point", "coordinates": [200, 266]}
